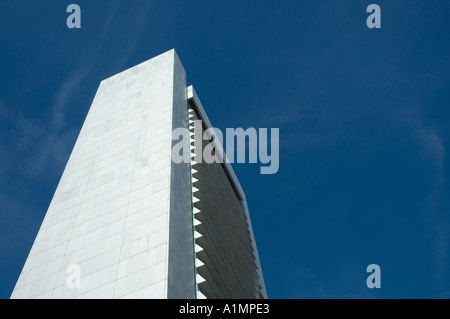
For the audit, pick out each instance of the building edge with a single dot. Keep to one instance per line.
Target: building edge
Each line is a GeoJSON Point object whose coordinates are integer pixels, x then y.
{"type": "Point", "coordinates": [192, 95]}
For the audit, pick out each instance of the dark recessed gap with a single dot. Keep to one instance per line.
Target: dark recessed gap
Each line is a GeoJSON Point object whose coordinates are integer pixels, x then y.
{"type": "Point", "coordinates": [193, 106]}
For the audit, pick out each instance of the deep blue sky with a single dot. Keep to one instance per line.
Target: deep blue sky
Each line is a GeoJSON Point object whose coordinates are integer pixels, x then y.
{"type": "Point", "coordinates": [363, 117]}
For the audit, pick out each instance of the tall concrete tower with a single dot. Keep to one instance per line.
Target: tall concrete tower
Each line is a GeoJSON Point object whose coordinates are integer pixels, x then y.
{"type": "Point", "coordinates": [128, 222]}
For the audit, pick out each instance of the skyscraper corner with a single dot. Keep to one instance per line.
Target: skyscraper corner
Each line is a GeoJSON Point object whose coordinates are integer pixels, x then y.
{"type": "Point", "coordinates": [126, 221]}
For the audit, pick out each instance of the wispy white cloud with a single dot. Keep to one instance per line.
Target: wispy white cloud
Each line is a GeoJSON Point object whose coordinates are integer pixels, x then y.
{"type": "Point", "coordinates": [55, 139]}
{"type": "Point", "coordinates": [432, 148]}
{"type": "Point", "coordinates": [106, 27]}
{"type": "Point", "coordinates": [50, 142]}
{"type": "Point", "coordinates": [138, 24]}
{"type": "Point", "coordinates": [36, 147]}
{"type": "Point", "coordinates": [14, 229]}
{"type": "Point", "coordinates": [3, 109]}
{"type": "Point", "coordinates": [55, 134]}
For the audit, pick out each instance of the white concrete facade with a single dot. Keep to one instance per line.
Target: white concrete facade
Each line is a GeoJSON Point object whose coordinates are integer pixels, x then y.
{"type": "Point", "coordinates": [122, 209]}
